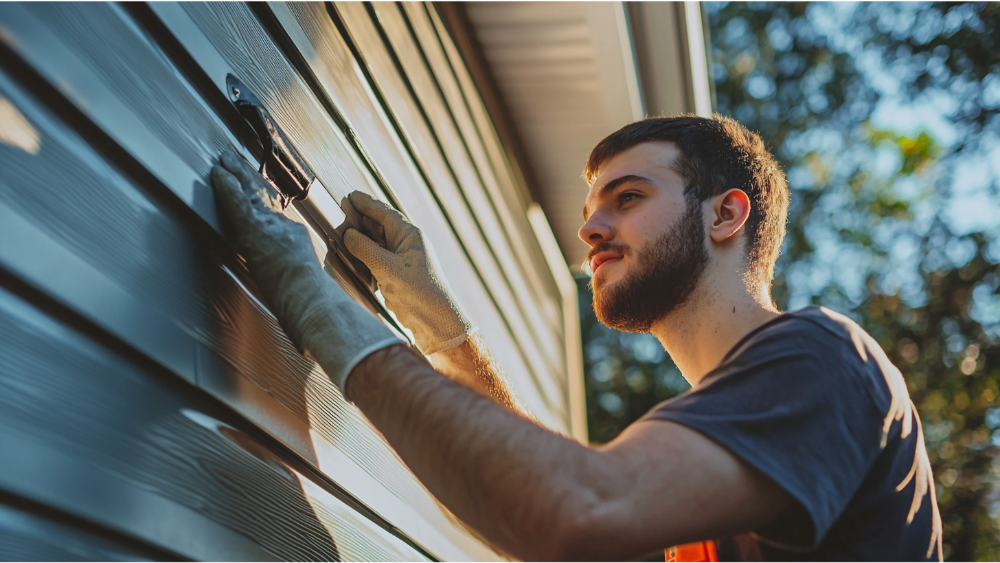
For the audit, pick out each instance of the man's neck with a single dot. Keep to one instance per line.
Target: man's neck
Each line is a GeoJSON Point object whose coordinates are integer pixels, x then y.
{"type": "Point", "coordinates": [699, 333]}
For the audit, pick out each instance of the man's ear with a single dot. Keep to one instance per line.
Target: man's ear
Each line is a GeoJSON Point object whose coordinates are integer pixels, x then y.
{"type": "Point", "coordinates": [729, 212]}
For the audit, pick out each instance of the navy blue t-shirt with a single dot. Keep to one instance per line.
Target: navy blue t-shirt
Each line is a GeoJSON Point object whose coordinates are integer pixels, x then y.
{"type": "Point", "coordinates": [812, 401]}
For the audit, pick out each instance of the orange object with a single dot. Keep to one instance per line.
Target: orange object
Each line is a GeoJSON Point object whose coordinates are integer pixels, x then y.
{"type": "Point", "coordinates": [698, 551]}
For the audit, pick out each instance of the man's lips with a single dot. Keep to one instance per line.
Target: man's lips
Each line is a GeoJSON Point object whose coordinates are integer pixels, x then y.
{"type": "Point", "coordinates": [603, 258]}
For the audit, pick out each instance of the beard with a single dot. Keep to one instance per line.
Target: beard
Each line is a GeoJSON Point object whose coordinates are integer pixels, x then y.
{"type": "Point", "coordinates": [665, 273]}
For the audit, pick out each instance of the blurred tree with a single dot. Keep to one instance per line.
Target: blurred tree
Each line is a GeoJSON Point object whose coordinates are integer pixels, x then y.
{"type": "Point", "coordinates": [885, 117]}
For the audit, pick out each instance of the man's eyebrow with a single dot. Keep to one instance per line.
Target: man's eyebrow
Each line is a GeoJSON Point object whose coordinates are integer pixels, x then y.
{"type": "Point", "coordinates": [610, 187]}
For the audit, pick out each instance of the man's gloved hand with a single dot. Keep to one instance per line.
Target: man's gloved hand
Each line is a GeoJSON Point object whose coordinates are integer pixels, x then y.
{"type": "Point", "coordinates": [401, 261]}
{"type": "Point", "coordinates": [316, 314]}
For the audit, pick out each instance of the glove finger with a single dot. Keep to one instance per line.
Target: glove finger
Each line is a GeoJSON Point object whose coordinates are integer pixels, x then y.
{"type": "Point", "coordinates": [377, 259]}
{"type": "Point", "coordinates": [230, 198]}
{"type": "Point", "coordinates": [396, 229]}
{"type": "Point", "coordinates": [375, 209]}
{"type": "Point", "coordinates": [353, 217]}
{"type": "Point", "coordinates": [355, 220]}
{"type": "Point", "coordinates": [260, 192]}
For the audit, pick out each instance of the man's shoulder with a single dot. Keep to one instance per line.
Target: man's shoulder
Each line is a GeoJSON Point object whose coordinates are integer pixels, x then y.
{"type": "Point", "coordinates": [817, 322]}
{"type": "Point", "coordinates": [813, 331]}
{"type": "Point", "coordinates": [818, 345]}
{"type": "Point", "coordinates": [821, 344]}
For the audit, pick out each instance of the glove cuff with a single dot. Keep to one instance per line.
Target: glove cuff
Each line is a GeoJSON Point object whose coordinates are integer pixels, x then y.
{"type": "Point", "coordinates": [449, 344]}
{"type": "Point", "coordinates": [338, 333]}
{"type": "Point", "coordinates": [339, 374]}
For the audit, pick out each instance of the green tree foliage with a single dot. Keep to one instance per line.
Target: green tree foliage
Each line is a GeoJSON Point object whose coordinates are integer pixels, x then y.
{"type": "Point", "coordinates": [885, 117]}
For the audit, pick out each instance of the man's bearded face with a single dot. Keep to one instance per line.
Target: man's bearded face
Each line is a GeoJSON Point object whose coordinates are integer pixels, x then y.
{"type": "Point", "coordinates": [663, 275]}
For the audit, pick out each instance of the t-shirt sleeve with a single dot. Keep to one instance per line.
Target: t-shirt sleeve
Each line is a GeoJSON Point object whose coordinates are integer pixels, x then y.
{"type": "Point", "coordinates": [793, 405]}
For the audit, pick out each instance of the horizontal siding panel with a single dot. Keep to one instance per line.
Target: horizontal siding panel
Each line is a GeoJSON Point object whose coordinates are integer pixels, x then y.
{"type": "Point", "coordinates": [89, 433]}
{"type": "Point", "coordinates": [27, 536]}
{"type": "Point", "coordinates": [239, 352]}
{"type": "Point", "coordinates": [197, 427]}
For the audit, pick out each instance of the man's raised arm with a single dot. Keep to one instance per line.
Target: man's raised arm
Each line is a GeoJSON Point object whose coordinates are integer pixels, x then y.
{"type": "Point", "coordinates": [541, 496]}
{"type": "Point", "coordinates": [529, 491]}
{"type": "Point", "coordinates": [404, 266]}
{"type": "Point", "coordinates": [473, 365]}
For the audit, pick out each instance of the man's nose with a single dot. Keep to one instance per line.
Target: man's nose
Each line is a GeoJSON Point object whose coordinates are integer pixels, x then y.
{"type": "Point", "coordinates": [596, 230]}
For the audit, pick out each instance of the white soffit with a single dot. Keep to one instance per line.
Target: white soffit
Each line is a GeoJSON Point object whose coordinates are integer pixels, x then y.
{"type": "Point", "coordinates": [698, 57]}
{"type": "Point", "coordinates": [570, 73]}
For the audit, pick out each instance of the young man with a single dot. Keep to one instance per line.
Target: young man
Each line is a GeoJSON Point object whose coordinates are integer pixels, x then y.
{"type": "Point", "coordinates": [798, 436]}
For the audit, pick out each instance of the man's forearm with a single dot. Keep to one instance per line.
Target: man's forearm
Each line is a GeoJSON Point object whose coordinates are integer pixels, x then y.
{"type": "Point", "coordinates": [518, 484]}
{"type": "Point", "coordinates": [472, 365]}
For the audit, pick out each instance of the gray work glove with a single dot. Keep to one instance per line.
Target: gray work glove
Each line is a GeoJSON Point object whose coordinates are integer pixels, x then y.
{"type": "Point", "coordinates": [402, 263]}
{"type": "Point", "coordinates": [319, 318]}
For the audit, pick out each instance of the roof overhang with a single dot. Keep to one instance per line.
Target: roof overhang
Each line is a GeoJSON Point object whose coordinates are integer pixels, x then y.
{"type": "Point", "coordinates": [558, 77]}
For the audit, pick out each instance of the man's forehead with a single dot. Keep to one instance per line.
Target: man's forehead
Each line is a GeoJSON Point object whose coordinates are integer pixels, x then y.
{"type": "Point", "coordinates": [651, 156]}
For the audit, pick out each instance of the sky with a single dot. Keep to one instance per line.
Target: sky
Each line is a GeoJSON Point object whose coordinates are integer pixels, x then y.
{"type": "Point", "coordinates": [970, 207]}
{"type": "Point", "coordinates": [964, 185]}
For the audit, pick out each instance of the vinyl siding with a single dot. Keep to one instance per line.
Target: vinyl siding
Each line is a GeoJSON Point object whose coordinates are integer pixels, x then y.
{"type": "Point", "coordinates": [150, 400]}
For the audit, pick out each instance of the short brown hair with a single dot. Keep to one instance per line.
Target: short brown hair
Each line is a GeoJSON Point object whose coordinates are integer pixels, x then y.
{"type": "Point", "coordinates": [717, 154]}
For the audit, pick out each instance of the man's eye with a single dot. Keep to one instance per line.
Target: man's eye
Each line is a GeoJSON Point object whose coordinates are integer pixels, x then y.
{"type": "Point", "coordinates": [625, 198]}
